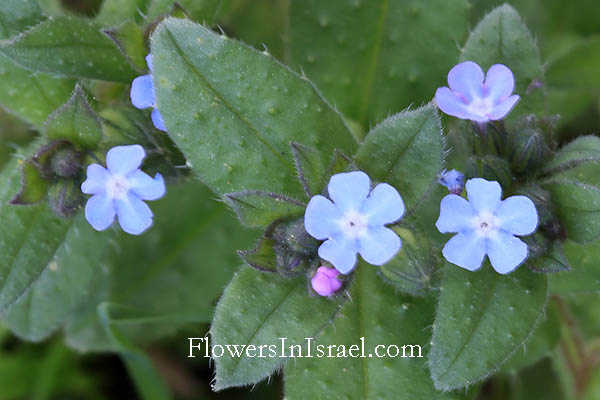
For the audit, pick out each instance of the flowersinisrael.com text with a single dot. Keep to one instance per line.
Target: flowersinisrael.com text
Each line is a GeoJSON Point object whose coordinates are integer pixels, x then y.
{"type": "Point", "coordinates": [308, 349]}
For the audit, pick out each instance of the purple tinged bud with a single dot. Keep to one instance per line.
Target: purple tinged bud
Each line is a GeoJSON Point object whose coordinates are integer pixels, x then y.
{"type": "Point", "coordinates": [325, 281]}
{"type": "Point", "coordinates": [454, 180]}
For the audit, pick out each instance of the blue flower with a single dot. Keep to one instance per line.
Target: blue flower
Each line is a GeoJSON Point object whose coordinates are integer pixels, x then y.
{"type": "Point", "coordinates": [142, 95]}
{"type": "Point", "coordinates": [486, 224]}
{"type": "Point", "coordinates": [454, 180]}
{"type": "Point", "coordinates": [119, 190]}
{"type": "Point", "coordinates": [470, 97]}
{"type": "Point", "coordinates": [354, 222]}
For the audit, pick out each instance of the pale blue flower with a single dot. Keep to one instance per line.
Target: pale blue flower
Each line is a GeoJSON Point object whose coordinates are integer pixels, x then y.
{"type": "Point", "coordinates": [119, 190]}
{"type": "Point", "coordinates": [354, 222]}
{"type": "Point", "coordinates": [142, 95]}
{"type": "Point", "coordinates": [486, 224]}
{"type": "Point", "coordinates": [470, 97]}
{"type": "Point", "coordinates": [454, 180]}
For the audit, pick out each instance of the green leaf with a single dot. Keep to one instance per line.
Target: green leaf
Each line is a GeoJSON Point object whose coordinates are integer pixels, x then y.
{"type": "Point", "coordinates": [260, 209]}
{"type": "Point", "coordinates": [585, 274]}
{"type": "Point", "coordinates": [502, 38]}
{"type": "Point", "coordinates": [114, 12]}
{"type": "Point", "coordinates": [61, 286]}
{"type": "Point", "coordinates": [207, 88]}
{"type": "Point", "coordinates": [75, 121]}
{"type": "Point", "coordinates": [149, 383]}
{"type": "Point", "coordinates": [406, 151]}
{"type": "Point", "coordinates": [373, 58]}
{"type": "Point", "coordinates": [29, 239]}
{"type": "Point", "coordinates": [130, 38]}
{"type": "Point", "coordinates": [178, 268]}
{"type": "Point", "coordinates": [575, 188]}
{"type": "Point", "coordinates": [381, 317]}
{"type": "Point", "coordinates": [270, 308]}
{"type": "Point", "coordinates": [69, 47]}
{"type": "Point", "coordinates": [18, 15]}
{"type": "Point", "coordinates": [411, 271]}
{"type": "Point", "coordinates": [481, 320]}
{"type": "Point", "coordinates": [33, 188]}
{"type": "Point", "coordinates": [262, 257]}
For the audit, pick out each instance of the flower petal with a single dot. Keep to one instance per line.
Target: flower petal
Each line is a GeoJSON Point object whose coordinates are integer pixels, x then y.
{"type": "Point", "coordinates": [100, 211]}
{"type": "Point", "coordinates": [149, 61]}
{"type": "Point", "coordinates": [383, 205]}
{"type": "Point", "coordinates": [452, 104]}
{"type": "Point", "coordinates": [142, 92]}
{"type": "Point", "coordinates": [321, 219]}
{"type": "Point", "coordinates": [466, 78]}
{"type": "Point", "coordinates": [145, 187]}
{"type": "Point", "coordinates": [517, 215]}
{"type": "Point", "coordinates": [97, 176]}
{"type": "Point", "coordinates": [340, 251]}
{"type": "Point", "coordinates": [456, 214]}
{"type": "Point", "coordinates": [499, 82]}
{"type": "Point", "coordinates": [121, 160]}
{"type": "Point", "coordinates": [349, 190]}
{"type": "Point", "coordinates": [501, 110]}
{"type": "Point", "coordinates": [466, 250]}
{"type": "Point", "coordinates": [484, 195]}
{"type": "Point", "coordinates": [134, 215]}
{"type": "Point", "coordinates": [158, 120]}
{"type": "Point", "coordinates": [506, 252]}
{"type": "Point", "coordinates": [379, 245]}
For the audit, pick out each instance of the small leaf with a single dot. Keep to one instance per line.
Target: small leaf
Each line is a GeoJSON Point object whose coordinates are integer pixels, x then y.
{"type": "Point", "coordinates": [130, 38]}
{"type": "Point", "coordinates": [207, 87]}
{"type": "Point", "coordinates": [33, 187]}
{"type": "Point", "coordinates": [379, 316]}
{"type": "Point", "coordinates": [585, 274]}
{"type": "Point", "coordinates": [550, 257]}
{"type": "Point", "coordinates": [69, 47]}
{"type": "Point", "coordinates": [406, 151]}
{"type": "Point", "coordinates": [481, 320]}
{"type": "Point", "coordinates": [262, 257]}
{"type": "Point", "coordinates": [260, 209]}
{"type": "Point", "coordinates": [411, 270]}
{"type": "Point", "coordinates": [575, 188]}
{"type": "Point", "coordinates": [502, 38]}
{"type": "Point", "coordinates": [309, 167]}
{"type": "Point", "coordinates": [270, 308]}
{"type": "Point", "coordinates": [75, 121]}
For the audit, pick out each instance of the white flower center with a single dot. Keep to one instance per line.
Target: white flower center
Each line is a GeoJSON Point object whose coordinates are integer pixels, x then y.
{"type": "Point", "coordinates": [354, 224]}
{"type": "Point", "coordinates": [117, 187]}
{"type": "Point", "coordinates": [481, 106]}
{"type": "Point", "coordinates": [485, 224]}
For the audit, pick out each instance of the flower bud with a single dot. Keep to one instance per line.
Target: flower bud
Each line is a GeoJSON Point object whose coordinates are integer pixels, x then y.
{"type": "Point", "coordinates": [454, 180]}
{"type": "Point", "coordinates": [325, 282]}
{"type": "Point", "coordinates": [527, 150]}
{"type": "Point", "coordinates": [491, 168]}
{"type": "Point", "coordinates": [66, 162]}
{"type": "Point", "coordinates": [65, 197]}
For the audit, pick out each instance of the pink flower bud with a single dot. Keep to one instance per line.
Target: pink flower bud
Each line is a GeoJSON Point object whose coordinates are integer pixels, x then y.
{"type": "Point", "coordinates": [325, 281]}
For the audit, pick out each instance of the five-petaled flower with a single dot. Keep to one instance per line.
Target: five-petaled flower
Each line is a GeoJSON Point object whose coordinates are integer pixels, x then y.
{"type": "Point", "coordinates": [142, 95]}
{"type": "Point", "coordinates": [354, 222]}
{"type": "Point", "coordinates": [326, 282]}
{"type": "Point", "coordinates": [470, 97]}
{"type": "Point", "coordinates": [454, 180]}
{"type": "Point", "coordinates": [119, 190]}
{"type": "Point", "coordinates": [486, 224]}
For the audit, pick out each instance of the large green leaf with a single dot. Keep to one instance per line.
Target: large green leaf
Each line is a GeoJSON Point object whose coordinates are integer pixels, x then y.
{"type": "Point", "coordinates": [258, 309]}
{"type": "Point", "coordinates": [207, 88]}
{"type": "Point", "coordinates": [376, 57]}
{"type": "Point", "coordinates": [481, 320]}
{"type": "Point", "coordinates": [406, 151]}
{"type": "Point", "coordinates": [71, 47]}
{"type": "Point", "coordinates": [502, 38]}
{"type": "Point", "coordinates": [62, 285]}
{"type": "Point", "coordinates": [382, 317]}
{"type": "Point", "coordinates": [178, 268]}
{"type": "Point", "coordinates": [29, 239]}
